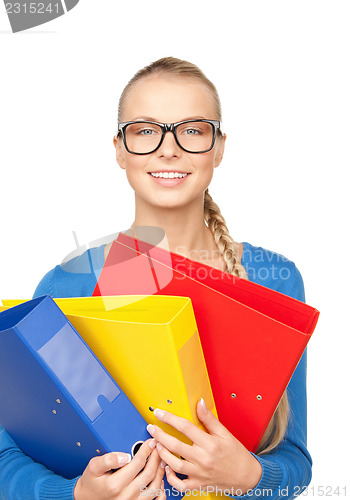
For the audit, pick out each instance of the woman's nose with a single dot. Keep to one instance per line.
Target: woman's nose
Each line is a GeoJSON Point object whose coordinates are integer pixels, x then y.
{"type": "Point", "coordinates": [169, 146]}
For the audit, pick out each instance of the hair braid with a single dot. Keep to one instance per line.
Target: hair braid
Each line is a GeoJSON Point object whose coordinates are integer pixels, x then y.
{"type": "Point", "coordinates": [227, 246]}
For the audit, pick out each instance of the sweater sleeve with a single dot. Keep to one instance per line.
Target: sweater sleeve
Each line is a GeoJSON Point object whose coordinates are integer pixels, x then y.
{"type": "Point", "coordinates": [287, 468]}
{"type": "Point", "coordinates": [22, 479]}
{"type": "Point", "coordinates": [46, 285]}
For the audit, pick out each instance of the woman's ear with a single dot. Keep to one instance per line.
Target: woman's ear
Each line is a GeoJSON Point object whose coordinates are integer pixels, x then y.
{"type": "Point", "coordinates": [219, 150]}
{"type": "Point", "coordinates": [120, 154]}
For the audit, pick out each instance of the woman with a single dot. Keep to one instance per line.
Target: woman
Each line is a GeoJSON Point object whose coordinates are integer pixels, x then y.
{"type": "Point", "coordinates": [170, 168]}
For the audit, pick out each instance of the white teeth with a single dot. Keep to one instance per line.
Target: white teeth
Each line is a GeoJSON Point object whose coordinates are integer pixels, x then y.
{"type": "Point", "coordinates": [168, 175]}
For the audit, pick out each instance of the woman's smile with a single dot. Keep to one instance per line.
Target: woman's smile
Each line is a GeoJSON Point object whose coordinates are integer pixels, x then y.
{"type": "Point", "coordinates": [169, 178]}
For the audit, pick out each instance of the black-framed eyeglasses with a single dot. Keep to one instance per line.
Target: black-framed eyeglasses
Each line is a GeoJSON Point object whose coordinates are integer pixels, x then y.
{"type": "Point", "coordinates": [193, 136]}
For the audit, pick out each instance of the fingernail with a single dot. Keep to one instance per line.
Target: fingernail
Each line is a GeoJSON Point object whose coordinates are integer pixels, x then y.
{"type": "Point", "coordinates": [159, 413]}
{"type": "Point", "coordinates": [204, 406]}
{"type": "Point", "coordinates": [152, 443]}
{"type": "Point", "coordinates": [162, 464]}
{"type": "Point", "coordinates": [159, 447]}
{"type": "Point", "coordinates": [162, 486]}
{"type": "Point", "coordinates": [124, 459]}
{"type": "Point", "coordinates": [151, 429]}
{"type": "Point", "coordinates": [167, 469]}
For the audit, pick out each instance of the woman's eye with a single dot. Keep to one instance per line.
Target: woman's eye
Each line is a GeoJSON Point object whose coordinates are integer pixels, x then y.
{"type": "Point", "coordinates": [147, 131]}
{"type": "Point", "coordinates": [191, 131]}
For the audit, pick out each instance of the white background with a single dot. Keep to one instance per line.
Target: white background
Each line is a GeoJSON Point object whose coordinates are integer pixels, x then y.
{"type": "Point", "coordinates": [282, 71]}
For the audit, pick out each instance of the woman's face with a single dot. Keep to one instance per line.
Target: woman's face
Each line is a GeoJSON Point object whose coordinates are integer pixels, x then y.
{"type": "Point", "coordinates": [169, 99]}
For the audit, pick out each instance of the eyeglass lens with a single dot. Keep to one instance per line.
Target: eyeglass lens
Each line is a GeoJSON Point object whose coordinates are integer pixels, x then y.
{"type": "Point", "coordinates": [145, 137]}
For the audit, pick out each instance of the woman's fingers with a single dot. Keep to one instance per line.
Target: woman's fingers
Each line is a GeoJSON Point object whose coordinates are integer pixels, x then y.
{"type": "Point", "coordinates": [175, 481]}
{"type": "Point", "coordinates": [211, 423]}
{"type": "Point", "coordinates": [155, 489]}
{"type": "Point", "coordinates": [163, 492]}
{"type": "Point", "coordinates": [126, 475]}
{"type": "Point", "coordinates": [147, 475]}
{"type": "Point", "coordinates": [177, 464]}
{"type": "Point", "coordinates": [152, 494]}
{"type": "Point", "coordinates": [98, 480]}
{"type": "Point", "coordinates": [194, 433]}
{"type": "Point", "coordinates": [98, 466]}
{"type": "Point", "coordinates": [171, 443]}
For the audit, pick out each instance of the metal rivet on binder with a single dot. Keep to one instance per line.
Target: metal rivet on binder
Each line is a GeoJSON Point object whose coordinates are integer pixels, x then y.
{"type": "Point", "coordinates": [58, 401]}
{"type": "Point", "coordinates": [259, 398]}
{"type": "Point", "coordinates": [54, 411]}
{"type": "Point", "coordinates": [169, 401]}
{"type": "Point", "coordinates": [78, 444]}
{"type": "Point", "coordinates": [233, 395]}
{"type": "Point", "coordinates": [98, 451]}
{"type": "Point", "coordinates": [151, 408]}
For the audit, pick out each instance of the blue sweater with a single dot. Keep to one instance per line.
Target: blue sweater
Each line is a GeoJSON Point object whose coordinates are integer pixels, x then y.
{"type": "Point", "coordinates": [286, 470]}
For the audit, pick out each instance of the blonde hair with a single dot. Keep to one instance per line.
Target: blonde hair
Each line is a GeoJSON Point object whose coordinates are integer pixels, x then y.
{"type": "Point", "coordinates": [214, 219]}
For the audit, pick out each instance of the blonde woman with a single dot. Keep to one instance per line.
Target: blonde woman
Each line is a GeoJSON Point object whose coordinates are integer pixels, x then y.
{"type": "Point", "coordinates": [169, 142]}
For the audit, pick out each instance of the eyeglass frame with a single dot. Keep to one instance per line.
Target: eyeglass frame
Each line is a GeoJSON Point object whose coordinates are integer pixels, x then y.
{"type": "Point", "coordinates": [169, 127]}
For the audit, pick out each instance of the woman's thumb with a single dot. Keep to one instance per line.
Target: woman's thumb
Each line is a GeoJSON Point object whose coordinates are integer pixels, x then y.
{"type": "Point", "coordinates": [114, 460]}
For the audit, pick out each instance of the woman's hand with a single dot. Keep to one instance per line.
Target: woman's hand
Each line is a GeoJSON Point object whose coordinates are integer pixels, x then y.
{"type": "Point", "coordinates": [127, 483]}
{"type": "Point", "coordinates": [215, 459]}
